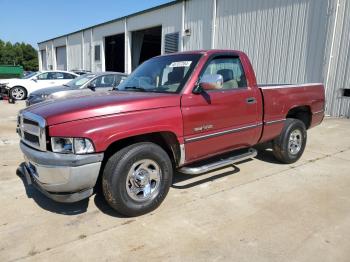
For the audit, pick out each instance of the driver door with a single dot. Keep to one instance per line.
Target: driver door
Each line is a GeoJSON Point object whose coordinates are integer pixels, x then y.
{"type": "Point", "coordinates": [221, 120]}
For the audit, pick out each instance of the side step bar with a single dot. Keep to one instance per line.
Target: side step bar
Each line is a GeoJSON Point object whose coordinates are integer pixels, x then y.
{"type": "Point", "coordinates": [196, 170]}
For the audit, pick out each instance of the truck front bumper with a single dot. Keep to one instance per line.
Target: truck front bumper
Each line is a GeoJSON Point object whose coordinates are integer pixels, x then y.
{"type": "Point", "coordinates": [61, 177]}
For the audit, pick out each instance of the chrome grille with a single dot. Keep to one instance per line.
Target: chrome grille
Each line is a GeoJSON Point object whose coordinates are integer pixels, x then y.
{"type": "Point", "coordinates": [30, 122]}
{"type": "Point", "coordinates": [31, 129]}
{"type": "Point", "coordinates": [33, 139]}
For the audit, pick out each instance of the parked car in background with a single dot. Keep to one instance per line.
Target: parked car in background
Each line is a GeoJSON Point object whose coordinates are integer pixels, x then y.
{"type": "Point", "coordinates": [81, 72]}
{"type": "Point", "coordinates": [21, 88]}
{"type": "Point", "coordinates": [26, 73]}
{"type": "Point", "coordinates": [171, 113]}
{"type": "Point", "coordinates": [84, 84]}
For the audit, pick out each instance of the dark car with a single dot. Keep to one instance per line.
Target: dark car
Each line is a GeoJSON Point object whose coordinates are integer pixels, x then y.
{"type": "Point", "coordinates": [84, 84]}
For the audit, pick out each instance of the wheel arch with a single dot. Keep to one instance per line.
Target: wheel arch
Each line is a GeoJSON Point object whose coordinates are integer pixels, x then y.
{"type": "Point", "coordinates": [303, 113]}
{"type": "Point", "coordinates": [165, 139]}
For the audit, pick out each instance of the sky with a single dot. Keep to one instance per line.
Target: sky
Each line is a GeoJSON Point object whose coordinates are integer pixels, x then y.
{"type": "Point", "coordinates": [38, 20]}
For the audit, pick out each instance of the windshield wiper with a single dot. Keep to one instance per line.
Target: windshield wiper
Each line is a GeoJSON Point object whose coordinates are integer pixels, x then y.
{"type": "Point", "coordinates": [66, 85]}
{"type": "Point", "coordinates": [135, 88]}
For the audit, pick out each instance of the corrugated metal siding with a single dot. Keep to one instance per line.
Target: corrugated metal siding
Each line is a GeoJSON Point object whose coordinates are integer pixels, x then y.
{"type": "Point", "coordinates": [44, 59]}
{"type": "Point", "coordinates": [59, 41]}
{"type": "Point", "coordinates": [339, 70]}
{"type": "Point", "coordinates": [42, 56]}
{"type": "Point", "coordinates": [51, 60]}
{"type": "Point", "coordinates": [285, 39]}
{"type": "Point", "coordinates": [198, 19]}
{"type": "Point", "coordinates": [87, 49]}
{"type": "Point", "coordinates": [169, 18]}
{"type": "Point", "coordinates": [288, 41]}
{"type": "Point", "coordinates": [75, 51]}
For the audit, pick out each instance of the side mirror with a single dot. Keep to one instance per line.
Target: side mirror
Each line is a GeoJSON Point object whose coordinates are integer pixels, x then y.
{"type": "Point", "coordinates": [115, 86]}
{"type": "Point", "coordinates": [209, 82]}
{"type": "Point", "coordinates": [35, 79]}
{"type": "Point", "coordinates": [92, 86]}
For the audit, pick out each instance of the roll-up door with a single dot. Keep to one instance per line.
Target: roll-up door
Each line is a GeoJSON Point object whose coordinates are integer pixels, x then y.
{"type": "Point", "coordinates": [61, 58]}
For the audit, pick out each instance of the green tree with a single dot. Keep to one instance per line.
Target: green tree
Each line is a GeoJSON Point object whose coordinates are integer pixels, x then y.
{"type": "Point", "coordinates": [19, 54]}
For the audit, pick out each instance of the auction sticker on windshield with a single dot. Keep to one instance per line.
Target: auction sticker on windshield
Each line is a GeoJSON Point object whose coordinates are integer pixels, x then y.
{"type": "Point", "coordinates": [180, 64]}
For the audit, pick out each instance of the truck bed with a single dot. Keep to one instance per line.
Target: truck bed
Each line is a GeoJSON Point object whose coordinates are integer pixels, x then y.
{"type": "Point", "coordinates": [279, 99]}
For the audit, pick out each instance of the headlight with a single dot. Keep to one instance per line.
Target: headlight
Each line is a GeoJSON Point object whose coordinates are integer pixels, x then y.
{"type": "Point", "coordinates": [44, 96]}
{"type": "Point", "coordinates": [67, 145]}
{"type": "Point", "coordinates": [83, 146]}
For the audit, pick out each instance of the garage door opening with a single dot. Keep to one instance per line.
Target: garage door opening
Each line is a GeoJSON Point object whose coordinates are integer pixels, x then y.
{"type": "Point", "coordinates": [114, 53]}
{"type": "Point", "coordinates": [145, 45]}
{"type": "Point", "coordinates": [61, 58]}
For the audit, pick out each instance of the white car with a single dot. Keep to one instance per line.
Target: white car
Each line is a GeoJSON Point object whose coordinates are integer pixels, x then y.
{"type": "Point", "coordinates": [21, 88]}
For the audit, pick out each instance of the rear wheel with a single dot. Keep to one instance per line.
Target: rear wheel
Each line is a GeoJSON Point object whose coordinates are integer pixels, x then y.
{"type": "Point", "coordinates": [290, 145]}
{"type": "Point", "coordinates": [18, 93]}
{"type": "Point", "coordinates": [137, 178]}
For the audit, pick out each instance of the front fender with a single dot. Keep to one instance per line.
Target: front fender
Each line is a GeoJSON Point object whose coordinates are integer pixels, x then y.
{"type": "Point", "coordinates": [106, 130]}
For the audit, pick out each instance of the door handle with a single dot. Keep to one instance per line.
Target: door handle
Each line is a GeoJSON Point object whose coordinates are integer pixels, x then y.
{"type": "Point", "coordinates": [250, 100]}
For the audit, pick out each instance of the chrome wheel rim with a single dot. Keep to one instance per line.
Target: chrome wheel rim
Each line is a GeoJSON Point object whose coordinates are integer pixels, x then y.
{"type": "Point", "coordinates": [17, 93]}
{"type": "Point", "coordinates": [295, 142]}
{"type": "Point", "coordinates": [143, 180]}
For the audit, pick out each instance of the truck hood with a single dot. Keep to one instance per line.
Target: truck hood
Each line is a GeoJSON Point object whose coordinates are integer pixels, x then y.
{"type": "Point", "coordinates": [101, 104]}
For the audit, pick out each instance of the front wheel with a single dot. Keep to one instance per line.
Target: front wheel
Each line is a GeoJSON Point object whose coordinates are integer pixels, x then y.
{"type": "Point", "coordinates": [137, 178]}
{"type": "Point", "coordinates": [289, 146]}
{"type": "Point", "coordinates": [18, 93]}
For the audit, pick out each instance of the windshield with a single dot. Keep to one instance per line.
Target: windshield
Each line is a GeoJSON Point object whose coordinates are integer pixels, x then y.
{"type": "Point", "coordinates": [29, 75]}
{"type": "Point", "coordinates": [164, 74]}
{"type": "Point", "coordinates": [79, 81]}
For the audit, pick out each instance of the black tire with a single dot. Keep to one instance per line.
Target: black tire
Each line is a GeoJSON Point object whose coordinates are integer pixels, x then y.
{"type": "Point", "coordinates": [282, 151]}
{"type": "Point", "coordinates": [115, 177]}
{"type": "Point", "coordinates": [18, 89]}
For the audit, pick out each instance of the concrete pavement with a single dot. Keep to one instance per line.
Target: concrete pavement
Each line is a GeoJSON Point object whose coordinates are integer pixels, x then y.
{"type": "Point", "coordinates": [259, 210]}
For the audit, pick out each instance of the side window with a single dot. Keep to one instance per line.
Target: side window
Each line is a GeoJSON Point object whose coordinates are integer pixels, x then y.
{"type": "Point", "coordinates": [120, 79]}
{"type": "Point", "coordinates": [103, 81]}
{"type": "Point", "coordinates": [231, 70]}
{"type": "Point", "coordinates": [117, 80]}
{"type": "Point", "coordinates": [43, 76]}
{"type": "Point", "coordinates": [57, 75]}
{"type": "Point", "coordinates": [68, 76]}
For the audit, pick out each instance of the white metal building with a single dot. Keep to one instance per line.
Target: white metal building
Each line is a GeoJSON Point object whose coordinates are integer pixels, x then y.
{"type": "Point", "coordinates": [288, 41]}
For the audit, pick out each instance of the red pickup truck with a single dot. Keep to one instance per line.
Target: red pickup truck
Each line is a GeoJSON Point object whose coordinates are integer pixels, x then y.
{"type": "Point", "coordinates": [171, 113]}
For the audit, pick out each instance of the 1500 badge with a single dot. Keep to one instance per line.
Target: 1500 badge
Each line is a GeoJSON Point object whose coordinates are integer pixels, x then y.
{"type": "Point", "coordinates": [202, 128]}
